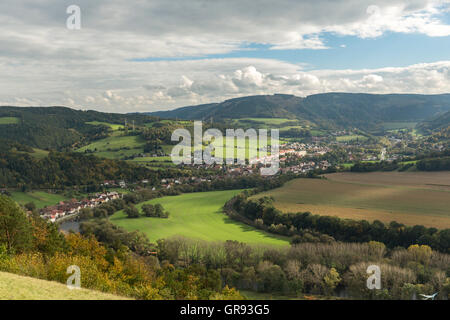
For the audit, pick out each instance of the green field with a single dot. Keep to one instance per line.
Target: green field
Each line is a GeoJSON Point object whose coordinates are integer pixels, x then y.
{"type": "Point", "coordinates": [116, 147]}
{"type": "Point", "coordinates": [269, 121]}
{"type": "Point", "coordinates": [171, 122]}
{"type": "Point", "coordinates": [352, 137]}
{"type": "Point", "coordinates": [113, 126]}
{"type": "Point", "coordinates": [196, 216]}
{"type": "Point", "coordinates": [412, 198]}
{"type": "Point", "coordinates": [119, 146]}
{"type": "Point", "coordinates": [39, 153]}
{"type": "Point", "coordinates": [282, 124]}
{"type": "Point", "coordinates": [395, 125]}
{"type": "Point", "coordinates": [9, 120]}
{"type": "Point", "coordinates": [154, 161]}
{"type": "Point", "coordinates": [349, 165]}
{"type": "Point", "coordinates": [40, 198]}
{"type": "Point", "coordinates": [15, 287]}
{"type": "Point", "coordinates": [318, 133]}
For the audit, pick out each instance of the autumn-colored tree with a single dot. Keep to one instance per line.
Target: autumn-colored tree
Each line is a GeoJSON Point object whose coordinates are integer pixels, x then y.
{"type": "Point", "coordinates": [46, 237]}
{"type": "Point", "coordinates": [420, 253]}
{"type": "Point", "coordinates": [331, 280]}
{"type": "Point", "coordinates": [15, 227]}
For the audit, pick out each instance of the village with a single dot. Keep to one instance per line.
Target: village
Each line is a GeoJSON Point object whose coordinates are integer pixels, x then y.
{"type": "Point", "coordinates": [73, 206]}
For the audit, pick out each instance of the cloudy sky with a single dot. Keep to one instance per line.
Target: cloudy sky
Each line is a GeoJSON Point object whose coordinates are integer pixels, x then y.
{"type": "Point", "coordinates": [148, 55]}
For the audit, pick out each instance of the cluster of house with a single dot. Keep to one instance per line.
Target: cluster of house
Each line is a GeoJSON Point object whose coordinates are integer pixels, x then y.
{"type": "Point", "coordinates": [70, 207]}
{"type": "Point", "coordinates": [114, 183]}
{"type": "Point", "coordinates": [307, 166]}
{"type": "Point", "coordinates": [344, 132]}
{"type": "Point", "coordinates": [301, 149]}
{"type": "Point", "coordinates": [168, 183]}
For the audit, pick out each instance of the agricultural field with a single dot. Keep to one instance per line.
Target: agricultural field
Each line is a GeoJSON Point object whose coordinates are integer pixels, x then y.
{"type": "Point", "coordinates": [318, 133]}
{"type": "Point", "coordinates": [116, 147]}
{"type": "Point", "coordinates": [282, 124]}
{"type": "Point", "coordinates": [197, 216]}
{"type": "Point", "coordinates": [171, 122]}
{"type": "Point", "coordinates": [9, 120]}
{"type": "Point", "coordinates": [411, 198]}
{"type": "Point", "coordinates": [396, 125]}
{"type": "Point", "coordinates": [15, 287]}
{"type": "Point", "coordinates": [269, 121]}
{"type": "Point", "coordinates": [40, 198]}
{"type": "Point", "coordinates": [154, 161]}
{"type": "Point", "coordinates": [353, 137]}
{"type": "Point", "coordinates": [39, 153]}
{"type": "Point", "coordinates": [113, 126]}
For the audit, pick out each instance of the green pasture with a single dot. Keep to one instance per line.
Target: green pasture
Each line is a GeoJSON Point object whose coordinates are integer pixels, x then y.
{"type": "Point", "coordinates": [196, 216]}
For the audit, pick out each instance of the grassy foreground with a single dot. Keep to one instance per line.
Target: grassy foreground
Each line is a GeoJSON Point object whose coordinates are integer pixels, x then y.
{"type": "Point", "coordinates": [407, 197]}
{"type": "Point", "coordinates": [197, 216]}
{"type": "Point", "coordinates": [15, 287]}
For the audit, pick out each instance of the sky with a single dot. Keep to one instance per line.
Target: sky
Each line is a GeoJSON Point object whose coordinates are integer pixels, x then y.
{"type": "Point", "coordinates": [149, 55]}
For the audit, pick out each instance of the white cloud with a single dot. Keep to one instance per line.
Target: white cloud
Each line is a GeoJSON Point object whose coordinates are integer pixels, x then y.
{"type": "Point", "coordinates": [150, 86]}
{"type": "Point", "coordinates": [114, 29]}
{"type": "Point", "coordinates": [43, 63]}
{"type": "Point", "coordinates": [294, 40]}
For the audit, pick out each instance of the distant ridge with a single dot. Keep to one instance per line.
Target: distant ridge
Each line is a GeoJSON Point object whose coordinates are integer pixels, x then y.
{"type": "Point", "coordinates": [436, 123]}
{"type": "Point", "coordinates": [360, 110]}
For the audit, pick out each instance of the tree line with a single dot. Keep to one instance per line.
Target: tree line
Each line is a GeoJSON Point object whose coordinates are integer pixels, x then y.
{"type": "Point", "coordinates": [63, 170]}
{"type": "Point", "coordinates": [306, 227]}
{"type": "Point", "coordinates": [328, 269]}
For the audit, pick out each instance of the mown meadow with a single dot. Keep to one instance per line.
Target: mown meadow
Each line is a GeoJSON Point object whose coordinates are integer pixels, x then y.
{"type": "Point", "coordinates": [197, 216]}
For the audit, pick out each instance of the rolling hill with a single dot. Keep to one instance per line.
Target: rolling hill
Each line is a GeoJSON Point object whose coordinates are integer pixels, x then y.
{"type": "Point", "coordinates": [440, 122]}
{"type": "Point", "coordinates": [59, 128]}
{"type": "Point", "coordinates": [329, 110]}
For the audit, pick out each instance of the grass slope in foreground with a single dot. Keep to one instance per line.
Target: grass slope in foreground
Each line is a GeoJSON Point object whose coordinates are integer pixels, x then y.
{"type": "Point", "coordinates": [15, 287]}
{"type": "Point", "coordinates": [197, 216]}
{"type": "Point", "coordinates": [411, 198]}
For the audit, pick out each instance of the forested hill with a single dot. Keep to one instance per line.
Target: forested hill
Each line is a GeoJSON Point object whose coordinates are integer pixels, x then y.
{"type": "Point", "coordinates": [437, 123]}
{"type": "Point", "coordinates": [365, 111]}
{"type": "Point", "coordinates": [57, 127]}
{"type": "Point", "coordinates": [61, 170]}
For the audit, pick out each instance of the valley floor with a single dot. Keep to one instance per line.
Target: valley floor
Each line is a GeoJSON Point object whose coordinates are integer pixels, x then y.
{"type": "Point", "coordinates": [197, 216]}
